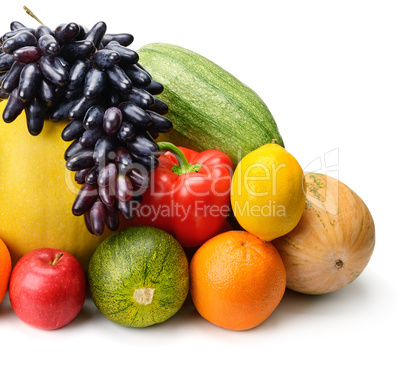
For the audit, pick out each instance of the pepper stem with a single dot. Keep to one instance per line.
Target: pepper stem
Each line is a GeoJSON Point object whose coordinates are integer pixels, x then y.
{"type": "Point", "coordinates": [29, 12]}
{"type": "Point", "coordinates": [183, 165]}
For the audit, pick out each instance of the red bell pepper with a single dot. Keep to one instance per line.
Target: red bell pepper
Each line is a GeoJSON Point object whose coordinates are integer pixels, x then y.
{"type": "Point", "coordinates": [189, 194]}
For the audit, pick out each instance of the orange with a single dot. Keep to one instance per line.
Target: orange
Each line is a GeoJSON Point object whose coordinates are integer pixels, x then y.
{"type": "Point", "coordinates": [5, 269]}
{"type": "Point", "coordinates": [237, 280]}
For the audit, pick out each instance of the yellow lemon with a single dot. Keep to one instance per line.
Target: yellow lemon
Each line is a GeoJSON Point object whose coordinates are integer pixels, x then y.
{"type": "Point", "coordinates": [267, 192]}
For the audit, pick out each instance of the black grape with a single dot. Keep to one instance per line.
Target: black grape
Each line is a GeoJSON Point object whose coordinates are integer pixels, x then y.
{"type": "Point", "coordinates": [106, 194]}
{"type": "Point", "coordinates": [105, 58]}
{"type": "Point", "coordinates": [140, 97]}
{"type": "Point", "coordinates": [150, 162]}
{"type": "Point", "coordinates": [35, 116]}
{"type": "Point", "coordinates": [135, 115]}
{"type": "Point", "coordinates": [126, 132]}
{"type": "Point", "coordinates": [77, 50]}
{"type": "Point", "coordinates": [94, 117]}
{"type": "Point", "coordinates": [21, 39]}
{"type": "Point", "coordinates": [124, 189]}
{"type": "Point", "coordinates": [77, 73]}
{"type": "Point", "coordinates": [142, 145]}
{"type": "Point", "coordinates": [111, 97]}
{"type": "Point", "coordinates": [13, 108]}
{"type": "Point", "coordinates": [128, 208]}
{"type": "Point", "coordinates": [82, 33]}
{"type": "Point", "coordinates": [60, 111]}
{"type": "Point", "coordinates": [123, 160]}
{"type": "Point", "coordinates": [48, 45]}
{"type": "Point", "coordinates": [112, 217]}
{"type": "Point", "coordinates": [73, 149]}
{"type": "Point", "coordinates": [97, 216]}
{"type": "Point", "coordinates": [92, 175]}
{"type": "Point", "coordinates": [3, 95]}
{"type": "Point", "coordinates": [66, 32]}
{"type": "Point", "coordinates": [73, 130]}
{"type": "Point", "coordinates": [11, 78]}
{"type": "Point", "coordinates": [91, 136]}
{"type": "Point", "coordinates": [6, 61]}
{"type": "Point", "coordinates": [154, 88]}
{"type": "Point", "coordinates": [17, 25]}
{"type": "Point", "coordinates": [137, 75]}
{"type": "Point", "coordinates": [159, 123]}
{"type": "Point", "coordinates": [43, 30]}
{"type": "Point", "coordinates": [139, 179]}
{"type": "Point", "coordinates": [14, 32]}
{"type": "Point", "coordinates": [95, 82]}
{"type": "Point", "coordinates": [96, 33]}
{"type": "Point", "coordinates": [124, 39]}
{"type": "Point", "coordinates": [87, 220]}
{"type": "Point", "coordinates": [29, 80]}
{"type": "Point", "coordinates": [126, 56]}
{"type": "Point", "coordinates": [80, 160]}
{"type": "Point", "coordinates": [86, 197]}
{"type": "Point", "coordinates": [104, 150]}
{"type": "Point", "coordinates": [27, 54]}
{"type": "Point", "coordinates": [79, 110]}
{"type": "Point", "coordinates": [159, 107]}
{"type": "Point", "coordinates": [54, 69]}
{"type": "Point", "coordinates": [47, 91]}
{"type": "Point", "coordinates": [118, 79]}
{"type": "Point", "coordinates": [107, 175]}
{"type": "Point", "coordinates": [81, 174]}
{"type": "Point", "coordinates": [112, 120]}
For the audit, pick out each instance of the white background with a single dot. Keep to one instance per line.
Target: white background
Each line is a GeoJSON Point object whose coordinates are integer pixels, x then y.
{"type": "Point", "coordinates": [330, 72]}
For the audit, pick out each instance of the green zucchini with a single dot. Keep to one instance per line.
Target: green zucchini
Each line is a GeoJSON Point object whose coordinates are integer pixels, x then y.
{"type": "Point", "coordinates": [208, 106]}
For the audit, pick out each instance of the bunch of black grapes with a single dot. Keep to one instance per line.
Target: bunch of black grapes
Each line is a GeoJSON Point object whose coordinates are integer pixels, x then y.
{"type": "Point", "coordinates": [93, 79]}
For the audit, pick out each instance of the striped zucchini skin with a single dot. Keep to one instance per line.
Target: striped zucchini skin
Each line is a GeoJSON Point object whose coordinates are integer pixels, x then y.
{"type": "Point", "coordinates": [134, 259]}
{"type": "Point", "coordinates": [208, 106]}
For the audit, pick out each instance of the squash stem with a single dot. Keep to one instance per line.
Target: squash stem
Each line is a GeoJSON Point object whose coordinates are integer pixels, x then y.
{"type": "Point", "coordinates": [183, 165]}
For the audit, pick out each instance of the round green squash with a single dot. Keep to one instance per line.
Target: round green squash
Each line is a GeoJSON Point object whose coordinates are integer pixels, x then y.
{"type": "Point", "coordinates": [139, 276]}
{"type": "Point", "coordinates": [209, 107]}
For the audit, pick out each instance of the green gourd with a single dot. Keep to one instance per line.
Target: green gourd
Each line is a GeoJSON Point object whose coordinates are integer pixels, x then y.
{"type": "Point", "coordinates": [209, 107]}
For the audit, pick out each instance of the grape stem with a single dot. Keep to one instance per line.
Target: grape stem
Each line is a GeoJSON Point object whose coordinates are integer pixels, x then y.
{"type": "Point", "coordinates": [183, 165]}
{"type": "Point", "coordinates": [29, 12]}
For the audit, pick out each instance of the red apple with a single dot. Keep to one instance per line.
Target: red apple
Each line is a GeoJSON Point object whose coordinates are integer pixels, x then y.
{"type": "Point", "coordinates": [47, 288]}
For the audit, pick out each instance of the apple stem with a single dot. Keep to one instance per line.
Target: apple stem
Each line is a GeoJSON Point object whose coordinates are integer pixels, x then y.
{"type": "Point", "coordinates": [57, 258]}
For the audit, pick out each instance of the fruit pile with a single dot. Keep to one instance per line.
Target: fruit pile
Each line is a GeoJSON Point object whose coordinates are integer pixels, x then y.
{"type": "Point", "coordinates": [228, 219]}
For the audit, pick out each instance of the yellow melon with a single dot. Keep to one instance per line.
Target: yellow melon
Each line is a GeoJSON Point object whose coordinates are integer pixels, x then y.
{"type": "Point", "coordinates": [37, 193]}
{"type": "Point", "coordinates": [332, 243]}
